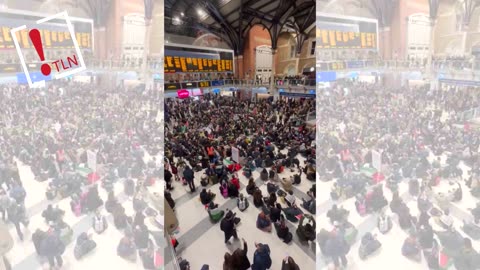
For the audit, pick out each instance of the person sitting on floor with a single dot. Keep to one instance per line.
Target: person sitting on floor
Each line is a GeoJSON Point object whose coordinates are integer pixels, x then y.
{"type": "Point", "coordinates": [257, 198]}
{"type": "Point", "coordinates": [411, 248]}
{"type": "Point", "coordinates": [264, 223]}
{"type": "Point", "coordinates": [242, 203]}
{"type": "Point", "coordinates": [206, 196]}
{"type": "Point", "coordinates": [287, 183]}
{"type": "Point", "coordinates": [251, 186]}
{"type": "Point", "coordinates": [126, 249]}
{"type": "Point", "coordinates": [232, 190]}
{"type": "Point", "coordinates": [282, 230]}
{"type": "Point", "coordinates": [215, 213]}
{"type": "Point", "coordinates": [275, 213]}
{"type": "Point", "coordinates": [271, 200]}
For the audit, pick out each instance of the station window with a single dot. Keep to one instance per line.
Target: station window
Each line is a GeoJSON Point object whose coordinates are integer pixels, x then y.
{"type": "Point", "coordinates": [312, 48]}
{"type": "Point", "coordinates": [292, 51]}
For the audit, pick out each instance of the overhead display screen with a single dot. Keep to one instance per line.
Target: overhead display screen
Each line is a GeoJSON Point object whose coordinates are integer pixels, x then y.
{"type": "Point", "coordinates": [193, 60]}
{"type": "Point", "coordinates": [337, 32]}
{"type": "Point", "coordinates": [55, 34]}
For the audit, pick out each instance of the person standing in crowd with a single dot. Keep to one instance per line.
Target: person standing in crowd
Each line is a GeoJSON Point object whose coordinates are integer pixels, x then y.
{"type": "Point", "coordinates": [261, 257]}
{"type": "Point", "coordinates": [52, 247]}
{"type": "Point", "coordinates": [189, 177]}
{"type": "Point", "coordinates": [17, 215]}
{"type": "Point", "coordinates": [227, 225]}
{"type": "Point", "coordinates": [337, 248]}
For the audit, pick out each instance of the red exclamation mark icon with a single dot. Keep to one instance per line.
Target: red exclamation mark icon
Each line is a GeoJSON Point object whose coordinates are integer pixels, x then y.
{"type": "Point", "coordinates": [37, 43]}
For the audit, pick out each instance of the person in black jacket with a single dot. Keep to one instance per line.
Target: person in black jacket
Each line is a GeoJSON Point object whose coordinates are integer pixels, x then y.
{"type": "Point", "coordinates": [17, 215]}
{"type": "Point", "coordinates": [141, 236]}
{"type": "Point", "coordinates": [289, 264]}
{"type": "Point", "coordinates": [425, 236]}
{"type": "Point", "coordinates": [228, 227]}
{"type": "Point", "coordinates": [251, 186]}
{"type": "Point", "coordinates": [206, 196]}
{"type": "Point", "coordinates": [52, 247]}
{"type": "Point", "coordinates": [275, 213]}
{"type": "Point", "coordinates": [169, 199]}
{"type": "Point", "coordinates": [189, 177]}
{"type": "Point", "coordinates": [168, 179]}
{"type": "Point", "coordinates": [238, 260]}
{"type": "Point", "coordinates": [337, 248]}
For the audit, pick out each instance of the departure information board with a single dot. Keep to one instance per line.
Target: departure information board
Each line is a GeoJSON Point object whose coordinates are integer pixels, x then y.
{"type": "Point", "coordinates": [55, 34]}
{"type": "Point", "coordinates": [191, 60]}
{"type": "Point", "coordinates": [338, 32]}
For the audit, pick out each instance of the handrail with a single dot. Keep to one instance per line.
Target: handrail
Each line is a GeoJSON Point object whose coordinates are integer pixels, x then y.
{"type": "Point", "coordinates": [175, 263]}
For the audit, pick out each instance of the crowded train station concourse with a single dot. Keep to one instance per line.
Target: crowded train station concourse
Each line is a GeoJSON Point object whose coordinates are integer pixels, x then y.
{"type": "Point", "coordinates": [80, 156]}
{"type": "Point", "coordinates": [398, 113]}
{"type": "Point", "coordinates": [240, 134]}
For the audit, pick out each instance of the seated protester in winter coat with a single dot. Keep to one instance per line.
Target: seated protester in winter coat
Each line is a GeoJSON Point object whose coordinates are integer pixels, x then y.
{"type": "Point", "coordinates": [232, 190]}
{"type": "Point", "coordinates": [259, 162]}
{"type": "Point", "coordinates": [271, 200]}
{"type": "Point", "coordinates": [126, 249]}
{"type": "Point", "coordinates": [111, 202]}
{"type": "Point", "coordinates": [263, 222]}
{"type": "Point", "coordinates": [287, 183]}
{"type": "Point", "coordinates": [238, 260]}
{"type": "Point", "coordinates": [405, 219]}
{"type": "Point", "coordinates": [261, 257]}
{"type": "Point", "coordinates": [250, 164]}
{"type": "Point", "coordinates": [120, 219]}
{"type": "Point", "coordinates": [275, 212]}
{"type": "Point", "coordinates": [282, 229]}
{"type": "Point", "coordinates": [148, 259]}
{"type": "Point", "coordinates": [214, 212]}
{"type": "Point", "coordinates": [273, 176]}
{"type": "Point", "coordinates": [99, 222]}
{"type": "Point", "coordinates": [206, 196]}
{"type": "Point", "coordinates": [446, 221]}
{"type": "Point", "coordinates": [141, 236]}
{"type": "Point", "coordinates": [257, 198]}
{"type": "Point", "coordinates": [384, 223]}
{"type": "Point", "coordinates": [309, 205]}
{"type": "Point", "coordinates": [235, 181]}
{"type": "Point", "coordinates": [469, 258]}
{"type": "Point", "coordinates": [224, 189]}
{"type": "Point", "coordinates": [264, 174]}
{"type": "Point", "coordinates": [289, 264]}
{"type": "Point", "coordinates": [52, 214]}
{"type": "Point", "coordinates": [251, 186]}
{"type": "Point", "coordinates": [337, 214]}
{"type": "Point", "coordinates": [411, 248]}
{"type": "Point", "coordinates": [425, 237]}
{"type": "Point", "coordinates": [242, 203]}
{"type": "Point", "coordinates": [290, 199]}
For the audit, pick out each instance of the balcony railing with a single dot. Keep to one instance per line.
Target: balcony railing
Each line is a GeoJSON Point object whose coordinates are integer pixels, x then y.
{"type": "Point", "coordinates": [437, 65]}
{"type": "Point", "coordinates": [471, 114]}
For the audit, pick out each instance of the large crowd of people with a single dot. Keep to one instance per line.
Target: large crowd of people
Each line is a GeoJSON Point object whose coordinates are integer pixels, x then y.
{"type": "Point", "coordinates": [92, 152]}
{"type": "Point", "coordinates": [382, 148]}
{"type": "Point", "coordinates": [219, 144]}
